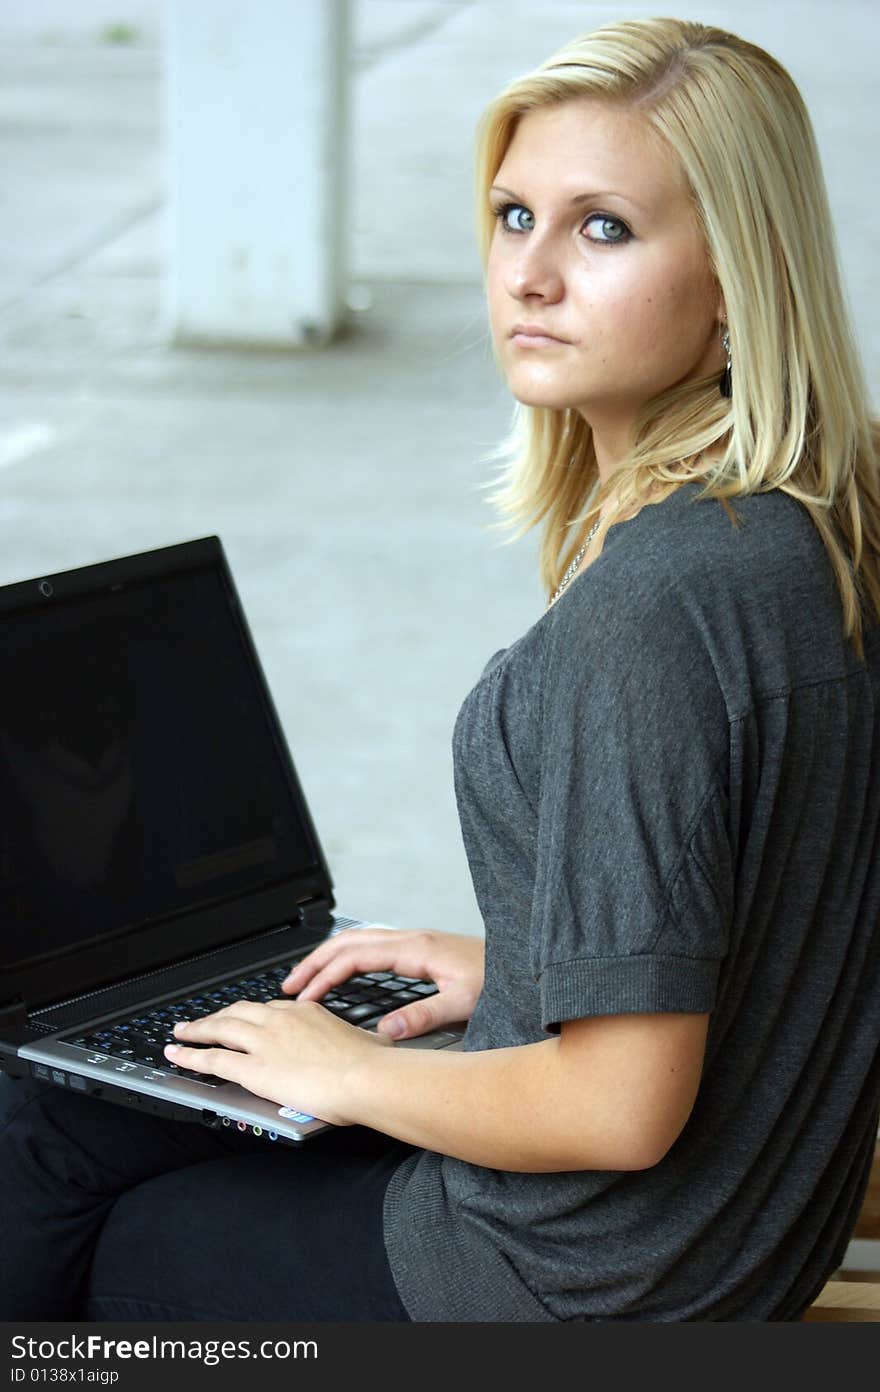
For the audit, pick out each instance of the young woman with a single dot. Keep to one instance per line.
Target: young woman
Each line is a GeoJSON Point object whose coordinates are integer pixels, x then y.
{"type": "Point", "coordinates": [669, 791]}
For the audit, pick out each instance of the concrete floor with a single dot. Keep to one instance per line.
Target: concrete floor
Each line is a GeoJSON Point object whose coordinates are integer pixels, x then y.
{"type": "Point", "coordinates": [344, 484]}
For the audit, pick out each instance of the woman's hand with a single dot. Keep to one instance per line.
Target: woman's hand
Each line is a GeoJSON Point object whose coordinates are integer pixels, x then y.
{"type": "Point", "coordinates": [294, 1053]}
{"type": "Point", "coordinates": [453, 960]}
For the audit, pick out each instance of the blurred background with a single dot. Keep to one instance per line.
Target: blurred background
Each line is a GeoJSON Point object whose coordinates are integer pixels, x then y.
{"type": "Point", "coordinates": [343, 479]}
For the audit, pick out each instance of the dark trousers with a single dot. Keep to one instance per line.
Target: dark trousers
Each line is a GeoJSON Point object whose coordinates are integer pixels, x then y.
{"type": "Point", "coordinates": [107, 1213]}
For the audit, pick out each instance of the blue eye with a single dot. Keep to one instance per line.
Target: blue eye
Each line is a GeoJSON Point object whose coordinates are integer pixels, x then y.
{"type": "Point", "coordinates": [622, 233]}
{"type": "Point", "coordinates": [501, 214]}
{"type": "Point", "coordinates": [613, 229]}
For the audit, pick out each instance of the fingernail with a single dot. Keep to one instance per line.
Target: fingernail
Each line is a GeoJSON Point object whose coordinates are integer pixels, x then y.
{"type": "Point", "coordinates": [396, 1027]}
{"type": "Point", "coordinates": [171, 1049]}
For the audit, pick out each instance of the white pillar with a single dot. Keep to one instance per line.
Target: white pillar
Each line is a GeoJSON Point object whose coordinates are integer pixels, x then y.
{"type": "Point", "coordinates": [257, 136]}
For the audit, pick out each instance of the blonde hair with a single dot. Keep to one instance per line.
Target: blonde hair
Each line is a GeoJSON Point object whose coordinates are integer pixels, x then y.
{"type": "Point", "coordinates": [798, 419]}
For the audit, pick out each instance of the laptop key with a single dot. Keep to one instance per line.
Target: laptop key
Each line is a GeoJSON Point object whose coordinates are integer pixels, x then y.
{"type": "Point", "coordinates": [356, 1014]}
{"type": "Point", "coordinates": [338, 1007]}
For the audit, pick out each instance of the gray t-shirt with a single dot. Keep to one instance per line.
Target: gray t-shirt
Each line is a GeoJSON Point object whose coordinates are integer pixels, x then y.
{"type": "Point", "coordinates": [669, 791]}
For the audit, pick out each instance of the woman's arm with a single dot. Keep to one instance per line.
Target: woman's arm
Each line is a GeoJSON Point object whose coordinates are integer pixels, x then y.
{"type": "Point", "coordinates": [608, 1093]}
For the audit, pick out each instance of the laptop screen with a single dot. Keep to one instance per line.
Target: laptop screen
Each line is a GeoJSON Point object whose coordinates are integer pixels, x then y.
{"type": "Point", "coordinates": [139, 773]}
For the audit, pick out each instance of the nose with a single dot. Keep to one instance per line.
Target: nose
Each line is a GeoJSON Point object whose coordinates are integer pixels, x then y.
{"type": "Point", "coordinates": [533, 270]}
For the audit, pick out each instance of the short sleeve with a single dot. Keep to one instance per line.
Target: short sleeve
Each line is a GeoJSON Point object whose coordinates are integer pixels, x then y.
{"type": "Point", "coordinates": [634, 884]}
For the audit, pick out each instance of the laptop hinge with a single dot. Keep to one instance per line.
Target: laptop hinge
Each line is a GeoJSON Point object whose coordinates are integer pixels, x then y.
{"type": "Point", "coordinates": [315, 914]}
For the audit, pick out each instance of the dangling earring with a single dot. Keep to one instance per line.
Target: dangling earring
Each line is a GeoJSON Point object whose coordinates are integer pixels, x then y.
{"type": "Point", "coordinates": [725, 384]}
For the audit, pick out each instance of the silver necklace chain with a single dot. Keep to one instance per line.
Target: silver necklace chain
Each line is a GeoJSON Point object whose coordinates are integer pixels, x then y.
{"type": "Point", "coordinates": [572, 569]}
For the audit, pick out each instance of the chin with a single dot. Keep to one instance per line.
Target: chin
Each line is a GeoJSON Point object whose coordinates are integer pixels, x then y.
{"type": "Point", "coordinates": [533, 389]}
{"type": "Point", "coordinates": [549, 400]}
{"type": "Point", "coordinates": [531, 393]}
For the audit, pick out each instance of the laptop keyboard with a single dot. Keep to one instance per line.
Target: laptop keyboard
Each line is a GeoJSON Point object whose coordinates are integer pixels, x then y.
{"type": "Point", "coordinates": [362, 1000]}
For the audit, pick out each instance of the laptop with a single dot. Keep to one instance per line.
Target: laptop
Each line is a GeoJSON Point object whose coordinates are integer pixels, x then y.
{"type": "Point", "coordinates": [157, 856]}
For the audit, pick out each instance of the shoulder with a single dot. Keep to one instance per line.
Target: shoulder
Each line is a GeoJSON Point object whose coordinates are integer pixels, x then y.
{"type": "Point", "coordinates": [710, 549]}
{"type": "Point", "coordinates": [630, 594]}
{"type": "Point", "coordinates": [680, 591]}
{"type": "Point", "coordinates": [692, 595]}
{"type": "Point", "coordinates": [686, 534]}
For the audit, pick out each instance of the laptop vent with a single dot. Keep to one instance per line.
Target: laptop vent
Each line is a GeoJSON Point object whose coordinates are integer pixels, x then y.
{"type": "Point", "coordinates": [183, 976]}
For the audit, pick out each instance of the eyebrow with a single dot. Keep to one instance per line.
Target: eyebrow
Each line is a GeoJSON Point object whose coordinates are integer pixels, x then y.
{"type": "Point", "coordinates": [578, 198]}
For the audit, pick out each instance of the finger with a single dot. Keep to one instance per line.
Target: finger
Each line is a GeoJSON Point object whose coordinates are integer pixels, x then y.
{"type": "Point", "coordinates": [391, 952]}
{"type": "Point", "coordinates": [349, 962]}
{"type": "Point", "coordinates": [293, 1005]}
{"type": "Point", "coordinates": [229, 1030]}
{"type": "Point", "coordinates": [421, 1017]}
{"type": "Point", "coordinates": [314, 961]}
{"type": "Point", "coordinates": [238, 1010]}
{"type": "Point", "coordinates": [222, 1063]}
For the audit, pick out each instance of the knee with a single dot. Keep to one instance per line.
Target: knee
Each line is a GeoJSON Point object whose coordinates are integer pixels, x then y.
{"type": "Point", "coordinates": [23, 1100]}
{"type": "Point", "coordinates": [22, 1121]}
{"type": "Point", "coordinates": [17, 1095]}
{"type": "Point", "coordinates": [48, 1129]}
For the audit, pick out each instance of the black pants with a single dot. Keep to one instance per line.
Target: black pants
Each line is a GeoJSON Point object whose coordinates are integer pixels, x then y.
{"type": "Point", "coordinates": [107, 1213]}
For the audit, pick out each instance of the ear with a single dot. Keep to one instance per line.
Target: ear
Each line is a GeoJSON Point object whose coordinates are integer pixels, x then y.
{"type": "Point", "coordinates": [721, 309]}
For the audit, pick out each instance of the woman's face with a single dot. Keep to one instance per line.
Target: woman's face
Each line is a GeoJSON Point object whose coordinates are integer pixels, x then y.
{"type": "Point", "coordinates": [596, 243]}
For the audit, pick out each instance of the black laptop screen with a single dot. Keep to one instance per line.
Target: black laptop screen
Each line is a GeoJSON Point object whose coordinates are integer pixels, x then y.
{"type": "Point", "coordinates": [139, 775]}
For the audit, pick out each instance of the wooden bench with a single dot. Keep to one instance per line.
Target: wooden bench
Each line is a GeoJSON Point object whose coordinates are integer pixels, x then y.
{"type": "Point", "coordinates": [852, 1296]}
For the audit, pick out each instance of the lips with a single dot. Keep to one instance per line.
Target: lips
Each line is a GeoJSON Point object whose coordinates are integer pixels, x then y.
{"type": "Point", "coordinates": [537, 332]}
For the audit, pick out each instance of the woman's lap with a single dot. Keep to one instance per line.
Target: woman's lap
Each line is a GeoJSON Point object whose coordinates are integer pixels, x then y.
{"type": "Point", "coordinates": [112, 1214]}
{"type": "Point", "coordinates": [277, 1236]}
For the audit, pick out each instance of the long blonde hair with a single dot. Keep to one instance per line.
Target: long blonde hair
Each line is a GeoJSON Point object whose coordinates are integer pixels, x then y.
{"type": "Point", "coordinates": [799, 418]}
